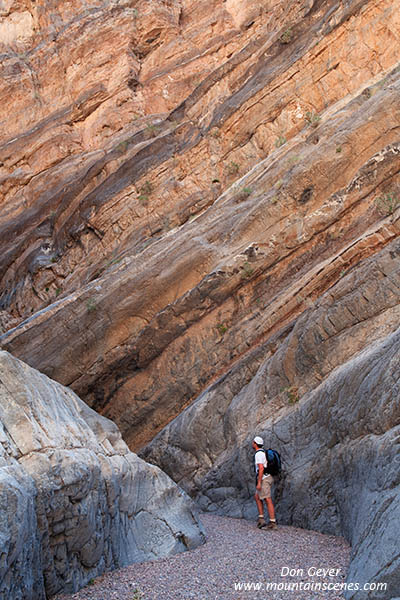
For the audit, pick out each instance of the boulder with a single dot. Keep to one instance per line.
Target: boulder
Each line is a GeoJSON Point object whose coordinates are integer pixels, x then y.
{"type": "Point", "coordinates": [78, 502]}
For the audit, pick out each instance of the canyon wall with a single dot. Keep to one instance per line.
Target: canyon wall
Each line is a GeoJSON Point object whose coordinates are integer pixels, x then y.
{"type": "Point", "coordinates": [199, 234]}
{"type": "Point", "coordinates": [75, 501]}
{"type": "Point", "coordinates": [181, 180]}
{"type": "Point", "coordinates": [339, 444]}
{"type": "Point", "coordinates": [269, 382]}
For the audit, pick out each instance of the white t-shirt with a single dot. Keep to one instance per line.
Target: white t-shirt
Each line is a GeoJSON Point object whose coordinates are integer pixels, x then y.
{"type": "Point", "coordinates": [261, 459]}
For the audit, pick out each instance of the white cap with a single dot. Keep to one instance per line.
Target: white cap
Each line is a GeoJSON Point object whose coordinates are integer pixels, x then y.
{"type": "Point", "coordinates": [258, 440]}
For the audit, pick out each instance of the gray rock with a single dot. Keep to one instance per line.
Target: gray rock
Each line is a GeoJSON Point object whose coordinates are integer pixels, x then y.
{"type": "Point", "coordinates": [343, 463]}
{"type": "Point", "coordinates": [341, 450]}
{"type": "Point", "coordinates": [78, 501]}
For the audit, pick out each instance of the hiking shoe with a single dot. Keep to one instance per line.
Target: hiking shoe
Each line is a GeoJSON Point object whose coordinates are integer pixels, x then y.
{"type": "Point", "coordinates": [272, 525]}
{"type": "Point", "coordinates": [261, 523]}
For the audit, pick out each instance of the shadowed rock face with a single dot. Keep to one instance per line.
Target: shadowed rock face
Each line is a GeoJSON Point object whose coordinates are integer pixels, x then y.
{"type": "Point", "coordinates": [341, 457]}
{"type": "Point", "coordinates": [342, 450]}
{"type": "Point", "coordinates": [362, 307]}
{"type": "Point", "coordinates": [324, 392]}
{"type": "Point", "coordinates": [167, 205]}
{"type": "Point", "coordinates": [75, 501]}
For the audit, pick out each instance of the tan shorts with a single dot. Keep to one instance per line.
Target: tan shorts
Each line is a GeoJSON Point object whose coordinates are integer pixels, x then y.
{"type": "Point", "coordinates": [265, 491]}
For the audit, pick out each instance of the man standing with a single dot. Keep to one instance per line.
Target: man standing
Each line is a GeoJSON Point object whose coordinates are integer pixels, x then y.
{"type": "Point", "coordinates": [263, 485]}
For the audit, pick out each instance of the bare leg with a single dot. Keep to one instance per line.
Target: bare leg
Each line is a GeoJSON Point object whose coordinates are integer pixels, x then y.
{"type": "Point", "coordinates": [270, 508]}
{"type": "Point", "coordinates": [259, 504]}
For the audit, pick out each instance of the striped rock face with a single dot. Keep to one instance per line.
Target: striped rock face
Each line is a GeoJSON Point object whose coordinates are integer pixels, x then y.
{"type": "Point", "coordinates": [181, 181]}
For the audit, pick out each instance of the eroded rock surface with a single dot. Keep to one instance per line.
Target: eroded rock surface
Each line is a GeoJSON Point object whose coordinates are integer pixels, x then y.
{"type": "Point", "coordinates": [182, 179]}
{"type": "Point", "coordinates": [75, 501]}
{"type": "Point", "coordinates": [341, 453]}
{"type": "Point", "coordinates": [200, 200]}
{"type": "Point", "coordinates": [325, 392]}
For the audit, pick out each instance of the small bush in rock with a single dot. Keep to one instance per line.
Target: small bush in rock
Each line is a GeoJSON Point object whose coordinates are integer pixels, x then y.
{"type": "Point", "coordinates": [222, 328]}
{"type": "Point", "coordinates": [247, 270]}
{"type": "Point", "coordinates": [286, 36]}
{"type": "Point", "coordinates": [387, 204]}
{"type": "Point", "coordinates": [312, 118]}
{"type": "Point", "coordinates": [280, 141]}
{"type": "Point", "coordinates": [91, 305]}
{"type": "Point", "coordinates": [292, 393]}
{"type": "Point", "coordinates": [233, 168]}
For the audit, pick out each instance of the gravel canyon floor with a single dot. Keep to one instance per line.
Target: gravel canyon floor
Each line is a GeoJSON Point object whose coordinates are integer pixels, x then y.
{"type": "Point", "coordinates": [235, 553]}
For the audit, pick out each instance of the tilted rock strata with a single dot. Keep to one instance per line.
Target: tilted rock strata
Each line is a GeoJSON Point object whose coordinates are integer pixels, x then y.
{"type": "Point", "coordinates": [340, 450]}
{"type": "Point", "coordinates": [343, 453]}
{"type": "Point", "coordinates": [205, 193]}
{"type": "Point", "coordinates": [276, 129]}
{"type": "Point", "coordinates": [363, 306]}
{"type": "Point", "coordinates": [96, 165]}
{"type": "Point", "coordinates": [48, 229]}
{"type": "Point", "coordinates": [76, 502]}
{"type": "Point", "coordinates": [111, 348]}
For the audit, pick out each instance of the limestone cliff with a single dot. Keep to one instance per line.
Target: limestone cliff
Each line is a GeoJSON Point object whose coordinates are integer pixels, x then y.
{"type": "Point", "coordinates": [75, 501]}
{"type": "Point", "coordinates": [183, 179]}
{"type": "Point", "coordinates": [200, 208]}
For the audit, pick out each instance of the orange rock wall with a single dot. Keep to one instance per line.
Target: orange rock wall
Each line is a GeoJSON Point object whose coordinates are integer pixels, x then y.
{"type": "Point", "coordinates": [181, 180]}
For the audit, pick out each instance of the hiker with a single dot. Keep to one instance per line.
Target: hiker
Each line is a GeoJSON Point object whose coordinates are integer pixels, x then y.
{"type": "Point", "coordinates": [263, 485]}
